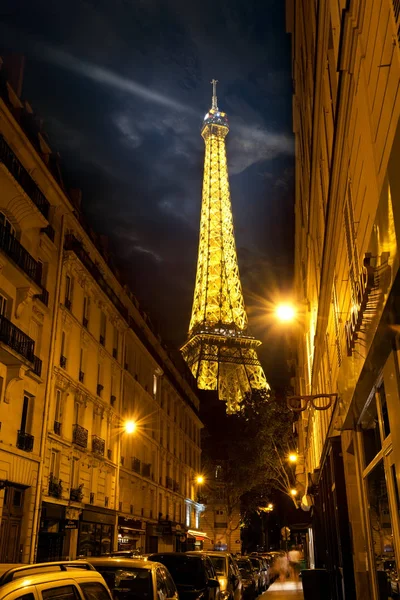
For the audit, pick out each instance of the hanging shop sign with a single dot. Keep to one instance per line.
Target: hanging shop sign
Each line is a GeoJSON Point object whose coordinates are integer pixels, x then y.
{"type": "Point", "coordinates": [364, 287]}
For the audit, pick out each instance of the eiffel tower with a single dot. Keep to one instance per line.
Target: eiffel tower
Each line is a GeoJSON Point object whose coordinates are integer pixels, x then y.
{"type": "Point", "coordinates": [219, 351]}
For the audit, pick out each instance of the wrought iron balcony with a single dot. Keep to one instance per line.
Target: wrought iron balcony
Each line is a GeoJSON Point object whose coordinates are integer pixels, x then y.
{"type": "Point", "coordinates": [37, 366]}
{"type": "Point", "coordinates": [25, 441]}
{"type": "Point", "coordinates": [98, 445]}
{"type": "Point", "coordinates": [168, 483]}
{"type": "Point", "coordinates": [16, 339]}
{"type": "Point", "coordinates": [81, 376]}
{"type": "Point", "coordinates": [43, 297]}
{"type": "Point", "coordinates": [49, 231]}
{"type": "Point", "coordinates": [63, 361]}
{"type": "Point", "coordinates": [57, 427]}
{"type": "Point", "coordinates": [17, 253]}
{"type": "Point", "coordinates": [80, 436]}
{"type": "Point", "coordinates": [100, 388]}
{"type": "Point", "coordinates": [76, 494]}
{"type": "Point", "coordinates": [55, 486]}
{"type": "Point", "coordinates": [136, 465]}
{"type": "Point", "coordinates": [146, 469]}
{"type": "Point", "coordinates": [21, 175]}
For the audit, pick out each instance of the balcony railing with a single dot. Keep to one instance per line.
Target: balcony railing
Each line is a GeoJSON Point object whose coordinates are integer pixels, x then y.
{"type": "Point", "coordinates": [136, 465]}
{"type": "Point", "coordinates": [25, 441]}
{"type": "Point", "coordinates": [71, 243]}
{"type": "Point", "coordinates": [21, 175]}
{"type": "Point", "coordinates": [37, 366]}
{"type": "Point", "coordinates": [49, 231]}
{"type": "Point", "coordinates": [55, 486]}
{"type": "Point", "coordinates": [21, 257]}
{"type": "Point", "coordinates": [80, 436]}
{"type": "Point", "coordinates": [146, 469]}
{"type": "Point", "coordinates": [43, 297]}
{"type": "Point", "coordinates": [76, 494]}
{"type": "Point", "coordinates": [16, 339]}
{"type": "Point", "coordinates": [98, 445]}
{"type": "Point", "coordinates": [57, 427]}
{"type": "Point", "coordinates": [168, 483]}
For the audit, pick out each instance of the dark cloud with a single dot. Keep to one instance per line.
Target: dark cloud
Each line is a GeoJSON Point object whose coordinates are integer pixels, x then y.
{"type": "Point", "coordinates": [123, 87]}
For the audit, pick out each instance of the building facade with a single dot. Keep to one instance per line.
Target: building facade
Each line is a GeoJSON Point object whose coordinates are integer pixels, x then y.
{"type": "Point", "coordinates": [346, 72]}
{"type": "Point", "coordinates": [100, 434]}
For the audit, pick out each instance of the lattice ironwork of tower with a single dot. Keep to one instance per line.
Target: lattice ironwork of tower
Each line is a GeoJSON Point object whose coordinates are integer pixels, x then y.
{"type": "Point", "coordinates": [219, 352]}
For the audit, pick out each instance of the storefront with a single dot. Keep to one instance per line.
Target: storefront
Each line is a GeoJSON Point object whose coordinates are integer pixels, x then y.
{"type": "Point", "coordinates": [51, 533]}
{"type": "Point", "coordinates": [96, 531]}
{"type": "Point", "coordinates": [131, 534]}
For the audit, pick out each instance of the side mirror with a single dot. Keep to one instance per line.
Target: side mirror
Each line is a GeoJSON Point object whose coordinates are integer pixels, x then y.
{"type": "Point", "coordinates": [213, 583]}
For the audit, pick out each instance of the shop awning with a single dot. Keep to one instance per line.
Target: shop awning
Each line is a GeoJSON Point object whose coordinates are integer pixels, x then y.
{"type": "Point", "coordinates": [200, 536]}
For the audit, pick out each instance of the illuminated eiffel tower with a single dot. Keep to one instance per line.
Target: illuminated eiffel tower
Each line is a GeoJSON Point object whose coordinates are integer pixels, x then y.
{"type": "Point", "coordinates": [219, 352]}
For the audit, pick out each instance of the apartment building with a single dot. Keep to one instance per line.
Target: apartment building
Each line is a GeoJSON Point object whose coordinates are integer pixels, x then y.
{"type": "Point", "coordinates": [346, 72]}
{"type": "Point", "coordinates": [99, 433]}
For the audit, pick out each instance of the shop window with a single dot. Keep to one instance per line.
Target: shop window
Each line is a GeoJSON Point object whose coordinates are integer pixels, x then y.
{"type": "Point", "coordinates": [385, 415]}
{"type": "Point", "coordinates": [369, 423]}
{"type": "Point", "coordinates": [380, 518]}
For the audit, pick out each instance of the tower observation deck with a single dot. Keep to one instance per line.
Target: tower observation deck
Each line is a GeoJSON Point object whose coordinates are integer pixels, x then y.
{"type": "Point", "coordinates": [219, 351]}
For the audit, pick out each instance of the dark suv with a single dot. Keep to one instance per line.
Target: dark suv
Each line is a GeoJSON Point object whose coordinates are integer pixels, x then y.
{"type": "Point", "coordinates": [194, 575]}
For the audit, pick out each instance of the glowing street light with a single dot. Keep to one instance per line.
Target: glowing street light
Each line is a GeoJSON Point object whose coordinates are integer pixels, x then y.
{"type": "Point", "coordinates": [199, 479]}
{"type": "Point", "coordinates": [285, 312]}
{"type": "Point", "coordinates": [293, 492]}
{"type": "Point", "coordinates": [270, 506]}
{"type": "Point", "coordinates": [293, 457]}
{"type": "Point", "coordinates": [130, 426]}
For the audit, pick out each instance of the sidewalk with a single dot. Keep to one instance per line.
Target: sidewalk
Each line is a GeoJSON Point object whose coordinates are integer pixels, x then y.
{"type": "Point", "coordinates": [281, 590]}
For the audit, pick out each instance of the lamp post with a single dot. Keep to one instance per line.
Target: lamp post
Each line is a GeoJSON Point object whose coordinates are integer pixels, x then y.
{"type": "Point", "coordinates": [129, 427]}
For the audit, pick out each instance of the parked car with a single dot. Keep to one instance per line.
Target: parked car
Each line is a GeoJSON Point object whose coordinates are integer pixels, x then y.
{"type": "Point", "coordinates": [194, 574]}
{"type": "Point", "coordinates": [228, 574]}
{"type": "Point", "coordinates": [256, 564]}
{"type": "Point", "coordinates": [64, 580]}
{"type": "Point", "coordinates": [250, 584]}
{"type": "Point", "coordinates": [265, 582]}
{"type": "Point", "coordinates": [135, 579]}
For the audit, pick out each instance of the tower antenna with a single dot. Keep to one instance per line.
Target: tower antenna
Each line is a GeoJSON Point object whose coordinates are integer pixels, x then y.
{"type": "Point", "coordinates": [214, 104]}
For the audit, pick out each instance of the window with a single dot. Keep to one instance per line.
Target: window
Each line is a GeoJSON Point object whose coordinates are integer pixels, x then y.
{"type": "Point", "coordinates": [54, 463]}
{"type": "Point", "coordinates": [86, 309]}
{"type": "Point", "coordinates": [41, 272]}
{"type": "Point", "coordinates": [6, 224]}
{"type": "Point", "coordinates": [385, 415]}
{"type": "Point", "coordinates": [74, 473]}
{"type": "Point", "coordinates": [115, 343]}
{"type": "Point", "coordinates": [3, 311]}
{"type": "Point", "coordinates": [77, 411]}
{"type": "Point", "coordinates": [63, 359]}
{"type": "Point", "coordinates": [25, 413]}
{"type": "Point", "coordinates": [63, 592]}
{"type": "Point", "coordinates": [24, 597]}
{"type": "Point", "coordinates": [94, 591]}
{"type": "Point", "coordinates": [69, 288]}
{"type": "Point", "coordinates": [81, 364]}
{"type": "Point", "coordinates": [59, 407]}
{"type": "Point", "coordinates": [103, 328]}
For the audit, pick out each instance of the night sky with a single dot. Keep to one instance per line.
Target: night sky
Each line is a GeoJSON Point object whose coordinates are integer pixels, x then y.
{"type": "Point", "coordinates": [122, 87]}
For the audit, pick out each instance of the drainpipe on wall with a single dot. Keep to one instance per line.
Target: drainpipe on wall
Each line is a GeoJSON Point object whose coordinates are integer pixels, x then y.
{"type": "Point", "coordinates": [38, 498]}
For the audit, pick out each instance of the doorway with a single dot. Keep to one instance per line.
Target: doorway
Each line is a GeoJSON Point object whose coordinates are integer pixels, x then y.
{"type": "Point", "coordinates": [10, 529]}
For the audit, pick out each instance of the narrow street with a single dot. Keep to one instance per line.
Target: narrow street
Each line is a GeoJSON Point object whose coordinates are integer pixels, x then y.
{"type": "Point", "coordinates": [281, 590]}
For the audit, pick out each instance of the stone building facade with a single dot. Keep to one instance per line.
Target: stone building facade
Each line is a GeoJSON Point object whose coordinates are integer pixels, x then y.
{"type": "Point", "coordinates": [346, 106]}
{"type": "Point", "coordinates": [79, 360]}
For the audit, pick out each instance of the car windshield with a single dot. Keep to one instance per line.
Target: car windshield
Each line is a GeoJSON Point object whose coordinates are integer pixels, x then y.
{"type": "Point", "coordinates": [244, 565]}
{"type": "Point", "coordinates": [129, 583]}
{"type": "Point", "coordinates": [185, 570]}
{"type": "Point", "coordinates": [219, 563]}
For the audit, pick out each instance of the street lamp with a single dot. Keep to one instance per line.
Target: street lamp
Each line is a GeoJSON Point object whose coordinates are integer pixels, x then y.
{"type": "Point", "coordinates": [285, 313]}
{"type": "Point", "coordinates": [130, 426]}
{"type": "Point", "coordinates": [199, 479]}
{"type": "Point", "coordinates": [293, 457]}
{"type": "Point", "coordinates": [293, 492]}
